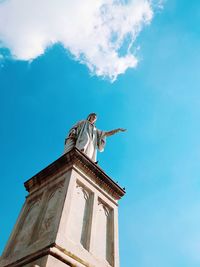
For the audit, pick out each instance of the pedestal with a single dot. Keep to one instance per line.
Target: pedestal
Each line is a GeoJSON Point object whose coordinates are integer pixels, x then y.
{"type": "Point", "coordinates": [70, 217]}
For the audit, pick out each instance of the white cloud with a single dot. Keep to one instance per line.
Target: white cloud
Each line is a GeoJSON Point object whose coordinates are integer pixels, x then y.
{"type": "Point", "coordinates": [93, 31]}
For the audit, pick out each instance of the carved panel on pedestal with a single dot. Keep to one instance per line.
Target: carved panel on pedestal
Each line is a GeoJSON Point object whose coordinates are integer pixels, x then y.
{"type": "Point", "coordinates": [79, 220]}
{"type": "Point", "coordinates": [52, 204]}
{"type": "Point", "coordinates": [104, 233]}
{"type": "Point", "coordinates": [27, 225]}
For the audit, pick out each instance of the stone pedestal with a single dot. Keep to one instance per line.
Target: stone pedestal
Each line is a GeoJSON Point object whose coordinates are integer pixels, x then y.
{"type": "Point", "coordinates": [70, 218]}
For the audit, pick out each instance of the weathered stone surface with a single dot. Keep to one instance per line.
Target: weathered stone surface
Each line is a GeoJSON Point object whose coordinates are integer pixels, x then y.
{"type": "Point", "coordinates": [70, 218]}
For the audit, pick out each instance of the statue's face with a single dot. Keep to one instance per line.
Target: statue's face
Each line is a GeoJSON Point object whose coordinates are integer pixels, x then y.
{"type": "Point", "coordinates": [92, 119]}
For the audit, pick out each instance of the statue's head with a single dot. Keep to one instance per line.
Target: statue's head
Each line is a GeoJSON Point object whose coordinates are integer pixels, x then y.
{"type": "Point", "coordinates": [92, 117]}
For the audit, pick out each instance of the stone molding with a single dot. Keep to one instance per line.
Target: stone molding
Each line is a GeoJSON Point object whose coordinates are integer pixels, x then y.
{"type": "Point", "coordinates": [76, 158]}
{"type": "Point", "coordinates": [53, 250]}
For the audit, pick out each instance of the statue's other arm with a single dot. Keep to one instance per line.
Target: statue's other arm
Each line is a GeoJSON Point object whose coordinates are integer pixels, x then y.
{"type": "Point", "coordinates": [112, 132]}
{"type": "Point", "coordinates": [73, 131]}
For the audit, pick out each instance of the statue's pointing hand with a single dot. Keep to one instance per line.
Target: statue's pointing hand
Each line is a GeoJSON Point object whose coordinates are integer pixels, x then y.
{"type": "Point", "coordinates": [114, 131]}
{"type": "Point", "coordinates": [121, 130]}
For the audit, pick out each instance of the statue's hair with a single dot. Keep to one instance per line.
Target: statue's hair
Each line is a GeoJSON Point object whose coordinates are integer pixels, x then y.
{"type": "Point", "coordinates": [91, 114]}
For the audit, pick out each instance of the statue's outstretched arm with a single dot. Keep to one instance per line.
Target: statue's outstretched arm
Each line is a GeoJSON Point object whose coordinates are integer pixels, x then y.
{"type": "Point", "coordinates": [109, 133]}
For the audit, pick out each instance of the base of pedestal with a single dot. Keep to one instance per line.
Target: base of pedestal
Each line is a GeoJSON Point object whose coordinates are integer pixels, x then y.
{"type": "Point", "coordinates": [48, 257]}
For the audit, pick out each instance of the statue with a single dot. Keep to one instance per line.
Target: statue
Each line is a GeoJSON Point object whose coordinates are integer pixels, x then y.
{"type": "Point", "coordinates": [87, 138]}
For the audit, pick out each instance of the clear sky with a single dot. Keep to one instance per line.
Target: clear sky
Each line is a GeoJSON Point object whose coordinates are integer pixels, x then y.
{"type": "Point", "coordinates": [44, 90]}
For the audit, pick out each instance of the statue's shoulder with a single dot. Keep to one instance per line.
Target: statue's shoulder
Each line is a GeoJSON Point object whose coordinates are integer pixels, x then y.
{"type": "Point", "coordinates": [79, 123]}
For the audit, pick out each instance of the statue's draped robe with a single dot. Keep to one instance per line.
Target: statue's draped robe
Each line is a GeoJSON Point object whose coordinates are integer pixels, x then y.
{"type": "Point", "coordinates": [87, 138]}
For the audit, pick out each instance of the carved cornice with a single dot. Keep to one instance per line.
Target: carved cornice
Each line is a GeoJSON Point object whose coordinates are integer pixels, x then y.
{"type": "Point", "coordinates": [76, 158]}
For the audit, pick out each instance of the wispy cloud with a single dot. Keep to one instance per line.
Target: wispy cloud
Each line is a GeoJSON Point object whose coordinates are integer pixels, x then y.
{"type": "Point", "coordinates": [98, 33]}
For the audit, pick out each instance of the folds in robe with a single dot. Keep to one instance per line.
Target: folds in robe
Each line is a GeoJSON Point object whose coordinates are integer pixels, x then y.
{"type": "Point", "coordinates": [87, 138]}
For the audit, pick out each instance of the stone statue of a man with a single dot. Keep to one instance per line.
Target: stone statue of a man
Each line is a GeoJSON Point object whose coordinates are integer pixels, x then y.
{"type": "Point", "coordinates": [86, 137]}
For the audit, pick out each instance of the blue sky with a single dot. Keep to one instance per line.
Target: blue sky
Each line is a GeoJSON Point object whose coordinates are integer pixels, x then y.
{"type": "Point", "coordinates": [157, 159]}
